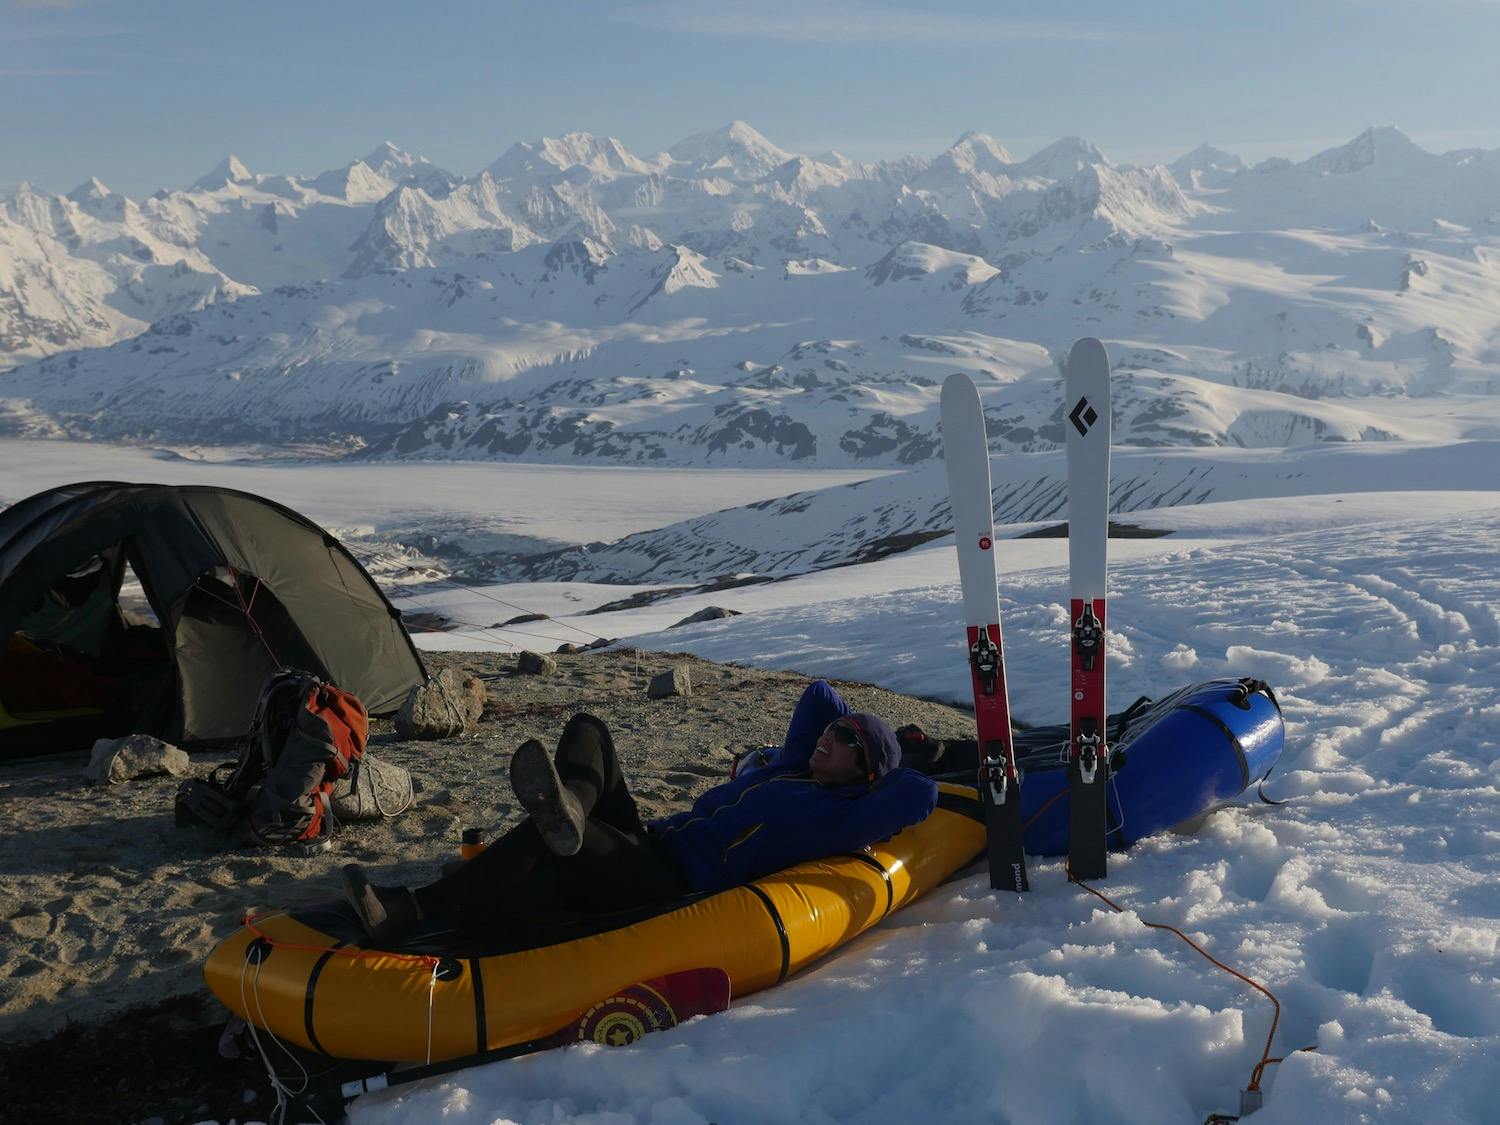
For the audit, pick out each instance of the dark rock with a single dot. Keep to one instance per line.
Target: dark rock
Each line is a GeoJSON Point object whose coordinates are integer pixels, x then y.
{"type": "Point", "coordinates": [524, 619]}
{"type": "Point", "coordinates": [676, 682]}
{"type": "Point", "coordinates": [709, 613]}
{"type": "Point", "coordinates": [536, 664]}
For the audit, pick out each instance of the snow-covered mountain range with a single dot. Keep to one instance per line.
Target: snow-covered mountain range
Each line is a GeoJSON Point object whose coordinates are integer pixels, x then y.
{"type": "Point", "coordinates": [728, 302]}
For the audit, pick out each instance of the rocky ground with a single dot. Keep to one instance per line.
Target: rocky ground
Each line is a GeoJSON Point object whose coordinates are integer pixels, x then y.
{"type": "Point", "coordinates": [107, 909]}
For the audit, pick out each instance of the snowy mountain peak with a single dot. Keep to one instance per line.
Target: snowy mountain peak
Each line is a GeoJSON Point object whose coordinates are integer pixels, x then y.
{"type": "Point", "coordinates": [583, 256]}
{"type": "Point", "coordinates": [227, 171]}
{"type": "Point", "coordinates": [736, 148]}
{"type": "Point", "coordinates": [979, 152]}
{"type": "Point", "coordinates": [836, 159]}
{"type": "Point", "coordinates": [1205, 166]}
{"type": "Point", "coordinates": [802, 175]}
{"type": "Point", "coordinates": [681, 268]}
{"type": "Point", "coordinates": [1386, 145]}
{"type": "Point", "coordinates": [356, 183]}
{"type": "Point", "coordinates": [1206, 158]}
{"type": "Point", "coordinates": [601, 156]}
{"type": "Point", "coordinates": [90, 191]}
{"type": "Point", "coordinates": [392, 162]}
{"type": "Point", "coordinates": [1062, 159]}
{"type": "Point", "coordinates": [915, 260]}
{"type": "Point", "coordinates": [686, 268]}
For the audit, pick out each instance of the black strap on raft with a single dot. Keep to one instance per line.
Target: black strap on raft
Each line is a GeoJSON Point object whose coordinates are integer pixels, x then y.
{"type": "Point", "coordinates": [1240, 697]}
{"type": "Point", "coordinates": [1260, 791]}
{"type": "Point", "coordinates": [1247, 687]}
{"type": "Point", "coordinates": [1126, 719]}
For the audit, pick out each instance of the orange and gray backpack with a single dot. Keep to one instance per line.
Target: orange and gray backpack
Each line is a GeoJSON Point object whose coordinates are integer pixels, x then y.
{"type": "Point", "coordinates": [306, 734]}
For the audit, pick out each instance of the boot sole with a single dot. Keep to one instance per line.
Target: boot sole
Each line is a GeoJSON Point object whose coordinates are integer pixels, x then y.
{"type": "Point", "coordinates": [552, 808]}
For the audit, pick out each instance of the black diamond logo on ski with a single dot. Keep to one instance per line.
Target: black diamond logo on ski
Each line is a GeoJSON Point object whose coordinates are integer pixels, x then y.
{"type": "Point", "coordinates": [1084, 416]}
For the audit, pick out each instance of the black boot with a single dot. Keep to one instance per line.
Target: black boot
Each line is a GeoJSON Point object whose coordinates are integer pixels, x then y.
{"type": "Point", "coordinates": [385, 912]}
{"type": "Point", "coordinates": [555, 811]}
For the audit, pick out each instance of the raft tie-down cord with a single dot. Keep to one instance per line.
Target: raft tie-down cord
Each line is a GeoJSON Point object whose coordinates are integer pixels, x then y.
{"type": "Point", "coordinates": [282, 1091]}
{"type": "Point", "coordinates": [1260, 789]}
{"type": "Point", "coordinates": [431, 1003]}
{"type": "Point", "coordinates": [250, 922]}
{"type": "Point", "coordinates": [1061, 793]}
{"type": "Point", "coordinates": [1266, 1058]}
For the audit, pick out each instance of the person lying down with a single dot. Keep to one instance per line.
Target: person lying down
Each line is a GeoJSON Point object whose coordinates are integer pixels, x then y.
{"type": "Point", "coordinates": [835, 786]}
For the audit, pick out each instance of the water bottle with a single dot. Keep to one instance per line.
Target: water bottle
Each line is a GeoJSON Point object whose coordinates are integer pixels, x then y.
{"type": "Point", "coordinates": [473, 843]}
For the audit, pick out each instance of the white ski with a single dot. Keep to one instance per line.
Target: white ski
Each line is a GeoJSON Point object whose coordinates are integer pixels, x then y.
{"type": "Point", "coordinates": [966, 450]}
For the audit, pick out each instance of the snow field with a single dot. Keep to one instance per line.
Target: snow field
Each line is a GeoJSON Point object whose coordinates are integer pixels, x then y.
{"type": "Point", "coordinates": [1368, 903]}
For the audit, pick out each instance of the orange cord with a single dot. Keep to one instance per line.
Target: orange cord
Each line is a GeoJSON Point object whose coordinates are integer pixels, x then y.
{"type": "Point", "coordinates": [356, 952]}
{"type": "Point", "coordinates": [1265, 1058]}
{"type": "Point", "coordinates": [1047, 804]}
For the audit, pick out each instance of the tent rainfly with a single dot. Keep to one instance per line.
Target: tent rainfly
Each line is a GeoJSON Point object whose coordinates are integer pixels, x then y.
{"type": "Point", "coordinates": [238, 586]}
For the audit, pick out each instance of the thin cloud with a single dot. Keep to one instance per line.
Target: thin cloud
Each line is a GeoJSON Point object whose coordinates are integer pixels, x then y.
{"type": "Point", "coordinates": [851, 22]}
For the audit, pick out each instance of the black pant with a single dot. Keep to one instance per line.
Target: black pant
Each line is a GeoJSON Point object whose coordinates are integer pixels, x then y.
{"type": "Point", "coordinates": [518, 880]}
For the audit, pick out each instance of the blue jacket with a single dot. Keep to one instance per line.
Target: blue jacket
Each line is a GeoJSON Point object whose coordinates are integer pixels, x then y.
{"type": "Point", "coordinates": [777, 815]}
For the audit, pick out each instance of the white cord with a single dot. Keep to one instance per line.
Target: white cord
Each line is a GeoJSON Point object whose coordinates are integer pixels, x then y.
{"type": "Point", "coordinates": [282, 1091]}
{"type": "Point", "coordinates": [1120, 828]}
{"type": "Point", "coordinates": [431, 998]}
{"type": "Point", "coordinates": [448, 703]}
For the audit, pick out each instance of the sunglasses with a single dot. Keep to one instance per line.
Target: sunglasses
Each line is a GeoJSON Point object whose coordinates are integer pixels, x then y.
{"type": "Point", "coordinates": [847, 734]}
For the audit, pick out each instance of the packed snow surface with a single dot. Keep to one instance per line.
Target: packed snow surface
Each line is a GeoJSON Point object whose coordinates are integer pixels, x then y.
{"type": "Point", "coordinates": [1367, 903]}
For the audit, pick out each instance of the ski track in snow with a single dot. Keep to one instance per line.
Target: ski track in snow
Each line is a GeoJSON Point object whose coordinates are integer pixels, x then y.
{"type": "Point", "coordinates": [1368, 903]}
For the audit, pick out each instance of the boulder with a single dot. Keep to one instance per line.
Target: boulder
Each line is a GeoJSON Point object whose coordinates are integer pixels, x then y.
{"type": "Point", "coordinates": [708, 613]}
{"type": "Point", "coordinates": [678, 681]}
{"type": "Point", "coordinates": [137, 755]}
{"type": "Point", "coordinates": [536, 664]}
{"type": "Point", "coordinates": [448, 704]}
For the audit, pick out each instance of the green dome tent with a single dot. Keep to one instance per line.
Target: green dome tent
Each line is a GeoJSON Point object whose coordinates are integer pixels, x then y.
{"type": "Point", "coordinates": [239, 585]}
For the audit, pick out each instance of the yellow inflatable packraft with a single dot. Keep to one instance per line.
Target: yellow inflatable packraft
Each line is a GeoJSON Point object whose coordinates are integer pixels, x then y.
{"type": "Point", "coordinates": [309, 987]}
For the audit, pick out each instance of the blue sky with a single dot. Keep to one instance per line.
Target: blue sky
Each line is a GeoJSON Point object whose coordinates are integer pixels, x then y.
{"type": "Point", "coordinates": [151, 94]}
